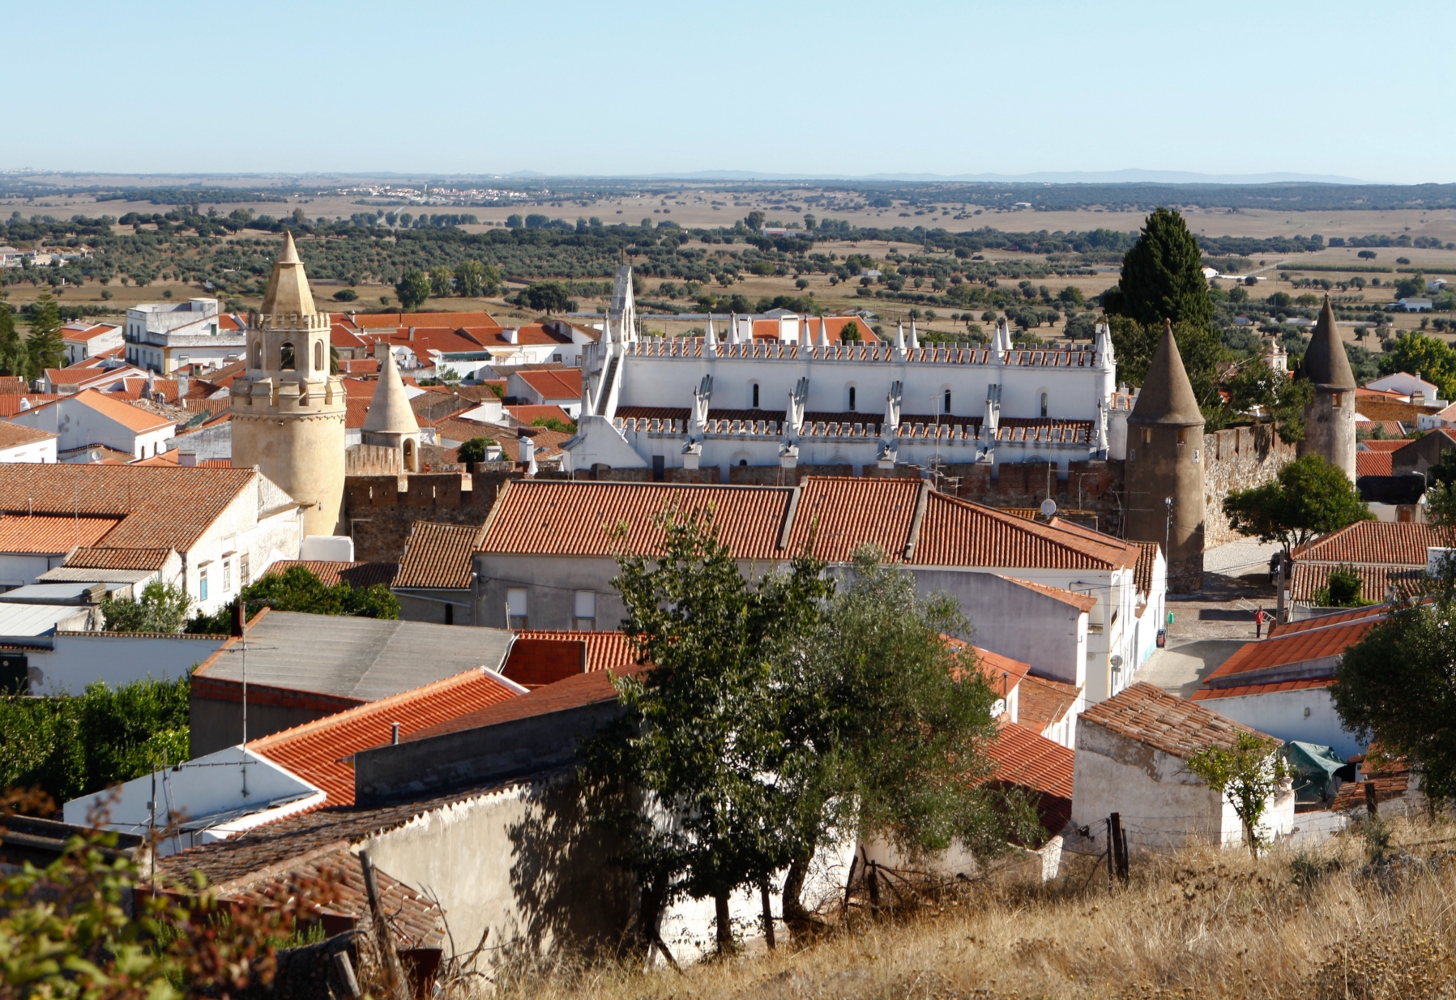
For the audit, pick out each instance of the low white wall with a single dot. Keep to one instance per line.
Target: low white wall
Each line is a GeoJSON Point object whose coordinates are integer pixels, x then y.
{"type": "Point", "coordinates": [116, 658]}
{"type": "Point", "coordinates": [1308, 716]}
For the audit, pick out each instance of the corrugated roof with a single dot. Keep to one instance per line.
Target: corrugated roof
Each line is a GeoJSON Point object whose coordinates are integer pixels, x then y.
{"type": "Point", "coordinates": [355, 574]}
{"type": "Point", "coordinates": [439, 556]}
{"type": "Point", "coordinates": [1163, 721]}
{"type": "Point", "coordinates": [316, 751]}
{"type": "Point", "coordinates": [361, 658]}
{"type": "Point", "coordinates": [51, 534]}
{"type": "Point", "coordinates": [159, 507]}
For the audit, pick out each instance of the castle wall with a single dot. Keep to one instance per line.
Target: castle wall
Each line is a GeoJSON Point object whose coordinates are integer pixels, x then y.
{"type": "Point", "coordinates": [1238, 458]}
{"type": "Point", "coordinates": [302, 453]}
{"type": "Point", "coordinates": [1329, 429]}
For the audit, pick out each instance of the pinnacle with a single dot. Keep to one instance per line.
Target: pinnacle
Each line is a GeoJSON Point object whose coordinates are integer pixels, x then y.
{"type": "Point", "coordinates": [290, 252]}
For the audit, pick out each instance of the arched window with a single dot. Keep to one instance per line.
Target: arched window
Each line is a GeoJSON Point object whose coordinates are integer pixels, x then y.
{"type": "Point", "coordinates": [318, 355]}
{"type": "Point", "coordinates": [1043, 404]}
{"type": "Point", "coordinates": [753, 396]}
{"type": "Point", "coordinates": [257, 354]}
{"type": "Point", "coordinates": [947, 401]}
{"type": "Point", "coordinates": [851, 398]}
{"type": "Point", "coordinates": [285, 357]}
{"type": "Point", "coordinates": [409, 455]}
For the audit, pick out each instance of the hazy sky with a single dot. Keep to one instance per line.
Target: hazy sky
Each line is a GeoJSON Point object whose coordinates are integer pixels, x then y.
{"type": "Point", "coordinates": [561, 86]}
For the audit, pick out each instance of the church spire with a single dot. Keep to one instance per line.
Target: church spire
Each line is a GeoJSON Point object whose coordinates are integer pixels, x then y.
{"type": "Point", "coordinates": [1325, 362]}
{"type": "Point", "coordinates": [288, 293]}
{"type": "Point", "coordinates": [1167, 395]}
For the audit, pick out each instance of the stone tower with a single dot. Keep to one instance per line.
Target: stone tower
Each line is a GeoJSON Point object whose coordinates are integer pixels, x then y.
{"type": "Point", "coordinates": [1329, 418]}
{"type": "Point", "coordinates": [1165, 502]}
{"type": "Point", "coordinates": [391, 420]}
{"type": "Point", "coordinates": [288, 411]}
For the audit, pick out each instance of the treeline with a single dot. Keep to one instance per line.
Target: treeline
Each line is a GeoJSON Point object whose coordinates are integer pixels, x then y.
{"type": "Point", "coordinates": [189, 195]}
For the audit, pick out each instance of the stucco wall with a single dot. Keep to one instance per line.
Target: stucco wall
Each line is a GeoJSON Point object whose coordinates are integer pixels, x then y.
{"type": "Point", "coordinates": [79, 660]}
{"type": "Point", "coordinates": [1282, 714]}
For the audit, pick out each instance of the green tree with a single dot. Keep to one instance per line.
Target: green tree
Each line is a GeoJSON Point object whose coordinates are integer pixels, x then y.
{"type": "Point", "coordinates": [1162, 277]}
{"type": "Point", "coordinates": [1247, 774]}
{"type": "Point", "coordinates": [1342, 589]}
{"type": "Point", "coordinates": [413, 288]}
{"type": "Point", "coordinates": [1199, 346]}
{"type": "Point", "coordinates": [1397, 686]}
{"type": "Point", "coordinates": [298, 589]}
{"type": "Point", "coordinates": [888, 723]}
{"type": "Point", "coordinates": [161, 608]}
{"type": "Point", "coordinates": [1310, 497]}
{"type": "Point", "coordinates": [13, 359]}
{"type": "Point", "coordinates": [1282, 397]}
{"type": "Point", "coordinates": [699, 732]}
{"type": "Point", "coordinates": [346, 295]}
{"type": "Point", "coordinates": [44, 347]}
{"type": "Point", "coordinates": [755, 220]}
{"type": "Point", "coordinates": [442, 282]}
{"type": "Point", "coordinates": [474, 279]}
{"type": "Point", "coordinates": [1418, 353]}
{"type": "Point", "coordinates": [474, 450]}
{"type": "Point", "coordinates": [547, 297]}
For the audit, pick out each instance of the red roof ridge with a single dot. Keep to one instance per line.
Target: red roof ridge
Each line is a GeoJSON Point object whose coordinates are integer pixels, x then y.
{"type": "Point", "coordinates": [1083, 602]}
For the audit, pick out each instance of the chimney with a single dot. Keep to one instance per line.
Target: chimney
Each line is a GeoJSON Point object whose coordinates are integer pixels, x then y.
{"type": "Point", "coordinates": [513, 335]}
{"type": "Point", "coordinates": [394, 733]}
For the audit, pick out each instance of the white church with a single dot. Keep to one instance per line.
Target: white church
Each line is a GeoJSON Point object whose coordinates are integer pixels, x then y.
{"type": "Point", "coordinates": [792, 393]}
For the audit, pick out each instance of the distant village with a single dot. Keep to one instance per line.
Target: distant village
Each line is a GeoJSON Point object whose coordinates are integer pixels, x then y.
{"type": "Point", "coordinates": [490, 477]}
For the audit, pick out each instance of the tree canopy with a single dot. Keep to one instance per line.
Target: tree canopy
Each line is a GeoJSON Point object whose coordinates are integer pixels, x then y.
{"type": "Point", "coordinates": [298, 589]}
{"type": "Point", "coordinates": [1430, 357]}
{"type": "Point", "coordinates": [413, 288]}
{"type": "Point", "coordinates": [1162, 277]}
{"type": "Point", "coordinates": [1310, 497]}
{"type": "Point", "coordinates": [160, 608]}
{"type": "Point", "coordinates": [44, 347]}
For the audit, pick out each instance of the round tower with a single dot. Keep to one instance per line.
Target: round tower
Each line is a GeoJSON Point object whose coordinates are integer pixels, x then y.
{"type": "Point", "coordinates": [1165, 502]}
{"type": "Point", "coordinates": [391, 420]}
{"type": "Point", "coordinates": [1329, 418]}
{"type": "Point", "coordinates": [287, 409]}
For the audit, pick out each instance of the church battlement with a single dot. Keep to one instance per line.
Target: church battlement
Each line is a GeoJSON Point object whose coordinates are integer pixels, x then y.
{"type": "Point", "coordinates": [691, 348]}
{"type": "Point", "coordinates": [290, 322]}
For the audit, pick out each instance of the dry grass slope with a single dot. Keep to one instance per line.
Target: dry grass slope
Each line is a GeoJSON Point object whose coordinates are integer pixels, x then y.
{"type": "Point", "coordinates": [1322, 925]}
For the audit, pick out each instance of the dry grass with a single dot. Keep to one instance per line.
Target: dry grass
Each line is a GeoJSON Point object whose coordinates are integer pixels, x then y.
{"type": "Point", "coordinates": [1199, 924]}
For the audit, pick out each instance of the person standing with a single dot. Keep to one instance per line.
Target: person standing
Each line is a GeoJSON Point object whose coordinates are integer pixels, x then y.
{"type": "Point", "coordinates": [1259, 619]}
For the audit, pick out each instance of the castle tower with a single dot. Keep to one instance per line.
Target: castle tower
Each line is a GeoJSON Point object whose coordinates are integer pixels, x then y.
{"type": "Point", "coordinates": [287, 410]}
{"type": "Point", "coordinates": [1165, 502]}
{"type": "Point", "coordinates": [1329, 418]}
{"type": "Point", "coordinates": [391, 420]}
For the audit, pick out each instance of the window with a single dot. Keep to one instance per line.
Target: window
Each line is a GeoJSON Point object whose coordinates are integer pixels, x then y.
{"type": "Point", "coordinates": [753, 397]}
{"type": "Point", "coordinates": [318, 355]}
{"type": "Point", "coordinates": [1043, 404]}
{"type": "Point", "coordinates": [227, 575]}
{"type": "Point", "coordinates": [202, 584]}
{"type": "Point", "coordinates": [285, 357]}
{"type": "Point", "coordinates": [556, 358]}
{"type": "Point", "coordinates": [243, 575]}
{"type": "Point", "coordinates": [584, 614]}
{"type": "Point", "coordinates": [1147, 435]}
{"type": "Point", "coordinates": [516, 616]}
{"type": "Point", "coordinates": [257, 355]}
{"type": "Point", "coordinates": [947, 401]}
{"type": "Point", "coordinates": [851, 399]}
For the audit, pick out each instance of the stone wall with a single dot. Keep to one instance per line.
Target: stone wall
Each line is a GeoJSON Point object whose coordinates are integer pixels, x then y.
{"type": "Point", "coordinates": [380, 510]}
{"type": "Point", "coordinates": [1237, 458]}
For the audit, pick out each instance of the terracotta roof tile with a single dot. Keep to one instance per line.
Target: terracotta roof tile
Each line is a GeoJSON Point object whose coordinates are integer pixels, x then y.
{"type": "Point", "coordinates": [1274, 687]}
{"type": "Point", "coordinates": [1143, 574]}
{"type": "Point", "coordinates": [537, 662]}
{"type": "Point", "coordinates": [527, 413]}
{"type": "Point", "coordinates": [11, 385]}
{"type": "Point", "coordinates": [562, 384]}
{"type": "Point", "coordinates": [133, 418]}
{"type": "Point", "coordinates": [403, 320]}
{"type": "Point", "coordinates": [1323, 621]}
{"type": "Point", "coordinates": [960, 533]}
{"type": "Point", "coordinates": [331, 574]}
{"type": "Point", "coordinates": [1376, 444]}
{"type": "Point", "coordinates": [1403, 543]}
{"type": "Point", "coordinates": [316, 751]}
{"type": "Point", "coordinates": [1375, 581]}
{"type": "Point", "coordinates": [1082, 602]}
{"type": "Point", "coordinates": [439, 556]}
{"type": "Point", "coordinates": [1163, 721]}
{"type": "Point", "coordinates": [1043, 703]}
{"type": "Point", "coordinates": [1003, 672]}
{"type": "Point", "coordinates": [1392, 780]}
{"type": "Point", "coordinates": [576, 691]}
{"type": "Point", "coordinates": [52, 534]}
{"type": "Point", "coordinates": [1026, 759]}
{"type": "Point", "coordinates": [159, 507]}
{"type": "Point", "coordinates": [574, 519]}
{"type": "Point", "coordinates": [1373, 463]}
{"type": "Point", "coordinates": [1264, 659]}
{"type": "Point", "coordinates": [15, 435]}
{"type": "Point", "coordinates": [841, 514]}
{"type": "Point", "coordinates": [13, 403]}
{"type": "Point", "coordinates": [604, 650]}
{"type": "Point", "coordinates": [105, 557]}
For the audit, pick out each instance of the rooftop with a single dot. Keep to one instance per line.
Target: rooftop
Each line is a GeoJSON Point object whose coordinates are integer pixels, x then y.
{"type": "Point", "coordinates": [438, 556]}
{"type": "Point", "coordinates": [1043, 703]}
{"type": "Point", "coordinates": [1316, 646]}
{"type": "Point", "coordinates": [50, 534]}
{"type": "Point", "coordinates": [332, 573]}
{"type": "Point", "coordinates": [1374, 463]}
{"type": "Point", "coordinates": [1400, 543]}
{"type": "Point", "coordinates": [576, 691]}
{"type": "Point", "coordinates": [360, 658]}
{"type": "Point", "coordinates": [558, 384]}
{"type": "Point", "coordinates": [1163, 721]}
{"type": "Point", "coordinates": [1025, 758]}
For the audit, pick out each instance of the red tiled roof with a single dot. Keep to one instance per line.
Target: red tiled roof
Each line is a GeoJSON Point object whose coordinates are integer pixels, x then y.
{"type": "Point", "coordinates": [527, 413]}
{"type": "Point", "coordinates": [1274, 687]}
{"type": "Point", "coordinates": [768, 329]}
{"type": "Point", "coordinates": [1025, 758]}
{"type": "Point", "coordinates": [331, 574]}
{"type": "Point", "coordinates": [403, 320]}
{"type": "Point", "coordinates": [1308, 579]}
{"type": "Point", "coordinates": [315, 751]}
{"type": "Point", "coordinates": [576, 691]}
{"type": "Point", "coordinates": [1391, 780]}
{"type": "Point", "coordinates": [1392, 543]}
{"type": "Point", "coordinates": [51, 534]}
{"type": "Point", "coordinates": [1373, 463]}
{"type": "Point", "coordinates": [1376, 444]}
{"type": "Point", "coordinates": [81, 332]}
{"type": "Point", "coordinates": [537, 662]}
{"type": "Point", "coordinates": [455, 429]}
{"type": "Point", "coordinates": [15, 435]}
{"type": "Point", "coordinates": [841, 514]}
{"type": "Point", "coordinates": [1143, 574]}
{"type": "Point", "coordinates": [171, 458]}
{"type": "Point", "coordinates": [10, 403]}
{"type": "Point", "coordinates": [133, 418]}
{"type": "Point", "coordinates": [1254, 659]}
{"type": "Point", "coordinates": [1323, 621]}
{"type": "Point", "coordinates": [1164, 722]}
{"type": "Point", "coordinates": [438, 556]}
{"type": "Point", "coordinates": [11, 385]}
{"type": "Point", "coordinates": [1042, 703]}
{"type": "Point", "coordinates": [1003, 673]}
{"type": "Point", "coordinates": [563, 383]}
{"type": "Point", "coordinates": [1082, 602]}
{"type": "Point", "coordinates": [960, 533]}
{"type": "Point", "coordinates": [604, 650]}
{"type": "Point", "coordinates": [106, 557]}
{"type": "Point", "coordinates": [547, 442]}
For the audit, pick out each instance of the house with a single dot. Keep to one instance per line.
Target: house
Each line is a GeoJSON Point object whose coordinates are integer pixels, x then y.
{"type": "Point", "coordinates": [1411, 305]}
{"type": "Point", "coordinates": [244, 787]}
{"type": "Point", "coordinates": [1419, 455]}
{"type": "Point", "coordinates": [103, 371]}
{"type": "Point", "coordinates": [92, 418]}
{"type": "Point", "coordinates": [302, 667]}
{"type": "Point", "coordinates": [547, 388]}
{"type": "Point", "coordinates": [19, 443]}
{"type": "Point", "coordinates": [162, 337]}
{"type": "Point", "coordinates": [1385, 555]}
{"type": "Point", "coordinates": [1405, 386]}
{"type": "Point", "coordinates": [200, 528]}
{"type": "Point", "coordinates": [1282, 684]}
{"type": "Point", "coordinates": [1132, 759]}
{"type": "Point", "coordinates": [65, 661]}
{"type": "Point", "coordinates": [42, 609]}
{"type": "Point", "coordinates": [1062, 598]}
{"type": "Point", "coordinates": [84, 340]}
{"type": "Point", "coordinates": [11, 257]}
{"type": "Point", "coordinates": [435, 573]}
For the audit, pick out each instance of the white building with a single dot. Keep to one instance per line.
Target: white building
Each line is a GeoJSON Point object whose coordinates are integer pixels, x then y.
{"type": "Point", "coordinates": [162, 337]}
{"type": "Point", "coordinates": [19, 443]}
{"type": "Point", "coordinates": [91, 418]}
{"type": "Point", "coordinates": [1414, 388]}
{"type": "Point", "coordinates": [788, 400]}
{"type": "Point", "coordinates": [86, 340]}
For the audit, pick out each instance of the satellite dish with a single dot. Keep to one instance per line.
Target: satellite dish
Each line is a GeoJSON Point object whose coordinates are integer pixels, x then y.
{"type": "Point", "coordinates": [1048, 507]}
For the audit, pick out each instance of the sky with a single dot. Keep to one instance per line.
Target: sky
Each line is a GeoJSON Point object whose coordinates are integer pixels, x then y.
{"type": "Point", "coordinates": [844, 88]}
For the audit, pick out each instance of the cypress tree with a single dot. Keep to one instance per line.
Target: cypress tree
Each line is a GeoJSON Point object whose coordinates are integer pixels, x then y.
{"type": "Point", "coordinates": [12, 351]}
{"type": "Point", "coordinates": [1162, 276]}
{"type": "Point", "coordinates": [44, 348]}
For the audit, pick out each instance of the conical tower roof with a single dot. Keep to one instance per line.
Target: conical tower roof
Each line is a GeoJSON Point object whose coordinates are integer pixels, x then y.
{"type": "Point", "coordinates": [389, 410]}
{"type": "Point", "coordinates": [1167, 395]}
{"type": "Point", "coordinates": [288, 292]}
{"type": "Point", "coordinates": [1325, 362]}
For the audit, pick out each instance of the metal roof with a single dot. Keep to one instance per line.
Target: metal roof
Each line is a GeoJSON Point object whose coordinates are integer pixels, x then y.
{"type": "Point", "coordinates": [363, 658]}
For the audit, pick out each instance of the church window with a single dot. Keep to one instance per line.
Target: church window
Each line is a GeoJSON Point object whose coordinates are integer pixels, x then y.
{"type": "Point", "coordinates": [257, 355]}
{"type": "Point", "coordinates": [318, 355]}
{"type": "Point", "coordinates": [516, 616]}
{"type": "Point", "coordinates": [753, 393]}
{"type": "Point", "coordinates": [947, 401]}
{"type": "Point", "coordinates": [851, 399]}
{"type": "Point", "coordinates": [286, 361]}
{"type": "Point", "coordinates": [1043, 404]}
